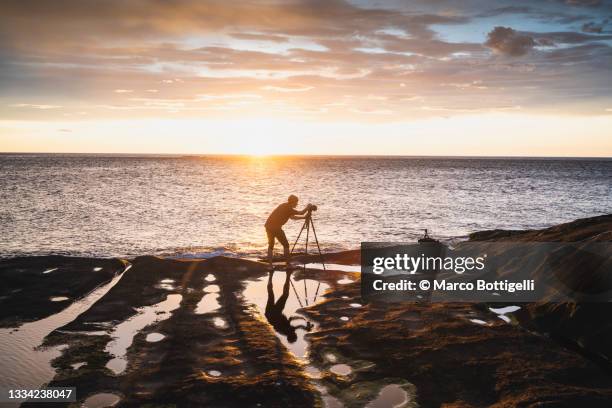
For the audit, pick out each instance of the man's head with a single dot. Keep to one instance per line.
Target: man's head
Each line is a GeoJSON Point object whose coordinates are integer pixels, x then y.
{"type": "Point", "coordinates": [293, 201]}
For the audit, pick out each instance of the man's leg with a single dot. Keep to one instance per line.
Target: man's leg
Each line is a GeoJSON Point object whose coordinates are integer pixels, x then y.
{"type": "Point", "coordinates": [270, 235]}
{"type": "Point", "coordinates": [282, 238]}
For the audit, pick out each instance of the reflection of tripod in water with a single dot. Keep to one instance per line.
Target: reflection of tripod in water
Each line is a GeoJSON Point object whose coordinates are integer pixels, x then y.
{"type": "Point", "coordinates": [308, 225]}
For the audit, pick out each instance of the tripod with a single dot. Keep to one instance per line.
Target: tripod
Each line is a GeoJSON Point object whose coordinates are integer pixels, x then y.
{"type": "Point", "coordinates": [308, 224]}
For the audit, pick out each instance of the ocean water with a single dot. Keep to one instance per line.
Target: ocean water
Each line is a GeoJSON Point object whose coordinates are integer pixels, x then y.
{"type": "Point", "coordinates": [98, 205]}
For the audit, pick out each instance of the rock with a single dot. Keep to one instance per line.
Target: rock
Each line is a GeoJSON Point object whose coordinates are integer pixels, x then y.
{"type": "Point", "coordinates": [586, 327]}
{"type": "Point", "coordinates": [439, 354]}
{"type": "Point", "coordinates": [29, 285]}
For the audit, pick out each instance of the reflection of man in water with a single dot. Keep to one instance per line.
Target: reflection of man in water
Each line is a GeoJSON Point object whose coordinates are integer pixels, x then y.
{"type": "Point", "coordinates": [274, 312]}
{"type": "Point", "coordinates": [275, 222]}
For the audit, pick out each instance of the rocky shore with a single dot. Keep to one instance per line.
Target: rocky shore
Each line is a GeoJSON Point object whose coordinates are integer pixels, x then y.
{"type": "Point", "coordinates": [189, 333]}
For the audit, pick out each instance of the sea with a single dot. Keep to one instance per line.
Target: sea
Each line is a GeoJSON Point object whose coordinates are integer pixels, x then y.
{"type": "Point", "coordinates": [200, 206]}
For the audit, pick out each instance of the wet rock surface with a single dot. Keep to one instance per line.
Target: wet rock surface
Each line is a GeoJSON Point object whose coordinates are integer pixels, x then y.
{"type": "Point", "coordinates": [453, 354]}
{"type": "Point", "coordinates": [197, 363]}
{"type": "Point", "coordinates": [178, 347]}
{"type": "Point", "coordinates": [37, 287]}
{"type": "Point", "coordinates": [583, 326]}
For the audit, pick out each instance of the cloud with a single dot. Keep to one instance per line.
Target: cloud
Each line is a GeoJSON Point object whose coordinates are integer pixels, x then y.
{"type": "Point", "coordinates": [505, 40]}
{"type": "Point", "coordinates": [298, 56]}
{"type": "Point", "coordinates": [261, 37]}
{"type": "Point", "coordinates": [34, 106]}
{"type": "Point", "coordinates": [287, 89]}
{"type": "Point", "coordinates": [587, 3]}
{"type": "Point", "coordinates": [593, 27]}
{"type": "Point", "coordinates": [506, 10]}
{"type": "Point", "coordinates": [565, 37]}
{"type": "Point", "coordinates": [72, 21]}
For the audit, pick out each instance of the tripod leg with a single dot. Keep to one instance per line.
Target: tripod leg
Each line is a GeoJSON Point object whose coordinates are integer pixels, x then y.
{"type": "Point", "coordinates": [314, 232]}
{"type": "Point", "coordinates": [297, 239]}
{"type": "Point", "coordinates": [307, 222]}
{"type": "Point", "coordinates": [296, 294]}
{"type": "Point", "coordinates": [306, 251]}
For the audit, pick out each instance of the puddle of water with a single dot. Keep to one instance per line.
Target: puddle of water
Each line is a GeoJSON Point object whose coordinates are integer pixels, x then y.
{"type": "Point", "coordinates": [345, 281]}
{"type": "Point", "coordinates": [504, 310]}
{"type": "Point", "coordinates": [220, 323]}
{"type": "Point", "coordinates": [22, 364]}
{"type": "Point", "coordinates": [166, 284]}
{"type": "Point", "coordinates": [208, 304]}
{"type": "Point", "coordinates": [125, 331]}
{"type": "Point", "coordinates": [58, 298]}
{"type": "Point", "coordinates": [210, 278]}
{"type": "Point", "coordinates": [101, 400]}
{"type": "Point", "coordinates": [355, 305]}
{"type": "Point", "coordinates": [478, 321]}
{"type": "Point", "coordinates": [76, 366]}
{"type": "Point", "coordinates": [504, 318]}
{"type": "Point", "coordinates": [313, 372]}
{"type": "Point", "coordinates": [341, 369]}
{"type": "Point", "coordinates": [154, 337]}
{"type": "Point", "coordinates": [335, 267]}
{"type": "Point", "coordinates": [212, 289]}
{"type": "Point", "coordinates": [97, 269]}
{"type": "Point", "coordinates": [214, 373]}
{"type": "Point", "coordinates": [344, 318]}
{"type": "Point", "coordinates": [344, 297]}
{"type": "Point", "coordinates": [50, 270]}
{"type": "Point", "coordinates": [300, 293]}
{"type": "Point", "coordinates": [391, 395]}
{"type": "Point", "coordinates": [330, 357]}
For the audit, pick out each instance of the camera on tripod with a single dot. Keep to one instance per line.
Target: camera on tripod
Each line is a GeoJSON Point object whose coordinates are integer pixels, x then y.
{"type": "Point", "coordinates": [312, 207]}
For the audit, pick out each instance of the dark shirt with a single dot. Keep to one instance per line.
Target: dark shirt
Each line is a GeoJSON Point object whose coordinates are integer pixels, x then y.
{"type": "Point", "coordinates": [280, 216]}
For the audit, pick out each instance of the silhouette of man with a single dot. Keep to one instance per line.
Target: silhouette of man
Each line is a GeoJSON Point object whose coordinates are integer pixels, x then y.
{"type": "Point", "coordinates": [274, 311]}
{"type": "Point", "coordinates": [275, 222]}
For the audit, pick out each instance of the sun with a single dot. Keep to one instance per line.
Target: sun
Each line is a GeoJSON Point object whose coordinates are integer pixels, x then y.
{"type": "Point", "coordinates": [257, 150]}
{"type": "Point", "coordinates": [259, 155]}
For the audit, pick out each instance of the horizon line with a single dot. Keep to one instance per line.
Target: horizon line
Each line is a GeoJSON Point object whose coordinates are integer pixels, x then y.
{"type": "Point", "coordinates": [305, 155]}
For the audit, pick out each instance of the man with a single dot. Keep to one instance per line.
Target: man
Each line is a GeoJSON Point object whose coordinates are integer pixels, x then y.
{"type": "Point", "coordinates": [275, 222]}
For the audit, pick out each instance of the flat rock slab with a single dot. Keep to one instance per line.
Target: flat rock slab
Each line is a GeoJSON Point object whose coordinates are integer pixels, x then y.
{"type": "Point", "coordinates": [37, 287]}
{"type": "Point", "coordinates": [439, 354]}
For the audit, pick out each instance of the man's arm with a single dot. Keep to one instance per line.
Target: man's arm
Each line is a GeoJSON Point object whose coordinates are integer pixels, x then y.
{"type": "Point", "coordinates": [302, 212]}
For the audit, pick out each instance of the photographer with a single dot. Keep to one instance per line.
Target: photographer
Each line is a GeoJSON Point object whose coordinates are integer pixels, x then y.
{"type": "Point", "coordinates": [277, 219]}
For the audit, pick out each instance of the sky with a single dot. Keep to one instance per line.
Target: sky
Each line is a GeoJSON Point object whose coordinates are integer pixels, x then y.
{"type": "Point", "coordinates": [422, 77]}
